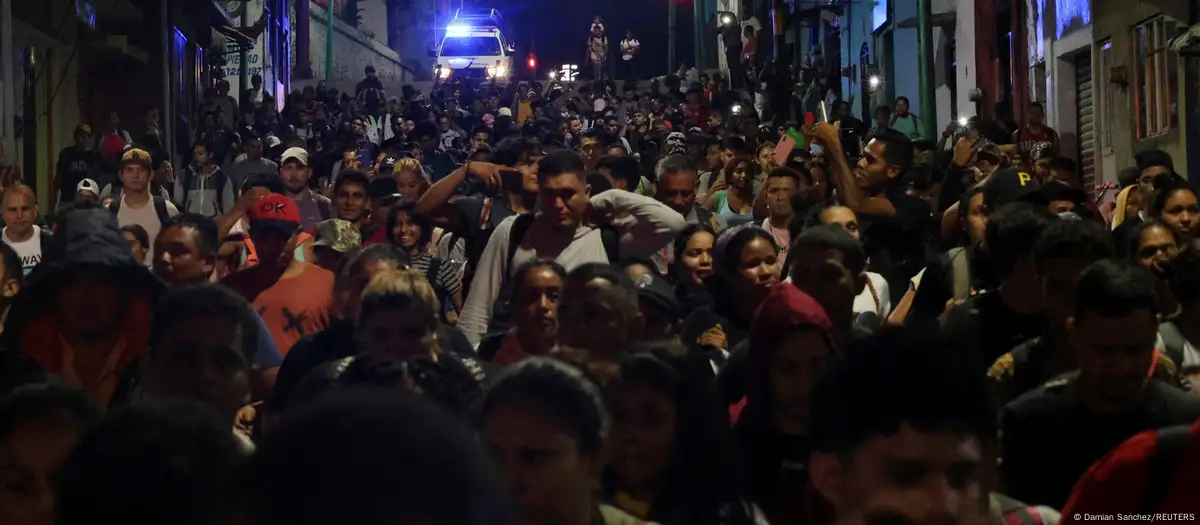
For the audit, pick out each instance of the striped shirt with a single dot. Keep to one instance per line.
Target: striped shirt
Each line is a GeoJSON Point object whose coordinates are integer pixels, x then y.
{"type": "Point", "coordinates": [446, 283]}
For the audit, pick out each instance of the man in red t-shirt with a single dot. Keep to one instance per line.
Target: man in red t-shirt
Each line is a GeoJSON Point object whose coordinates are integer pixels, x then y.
{"type": "Point", "coordinates": [1155, 472]}
{"type": "Point", "coordinates": [291, 296]}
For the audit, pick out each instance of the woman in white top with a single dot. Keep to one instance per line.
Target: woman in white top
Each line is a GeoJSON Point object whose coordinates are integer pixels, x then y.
{"type": "Point", "coordinates": [874, 297]}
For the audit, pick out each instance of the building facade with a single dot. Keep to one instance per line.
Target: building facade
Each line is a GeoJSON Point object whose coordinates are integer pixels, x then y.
{"type": "Point", "coordinates": [1140, 83]}
{"type": "Point", "coordinates": [79, 62]}
{"type": "Point", "coordinates": [356, 44]}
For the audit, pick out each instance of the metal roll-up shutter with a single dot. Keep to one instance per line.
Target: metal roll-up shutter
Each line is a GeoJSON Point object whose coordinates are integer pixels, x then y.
{"type": "Point", "coordinates": [1085, 121]}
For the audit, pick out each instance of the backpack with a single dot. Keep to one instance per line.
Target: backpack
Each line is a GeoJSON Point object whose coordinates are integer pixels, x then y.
{"type": "Point", "coordinates": [501, 308]}
{"type": "Point", "coordinates": [916, 121]}
{"type": "Point", "coordinates": [1173, 341]}
{"type": "Point", "coordinates": [431, 275]}
{"type": "Point", "coordinates": [958, 264]}
{"type": "Point", "coordinates": [220, 180]}
{"type": "Point", "coordinates": [1170, 445]}
{"type": "Point", "coordinates": [160, 209]}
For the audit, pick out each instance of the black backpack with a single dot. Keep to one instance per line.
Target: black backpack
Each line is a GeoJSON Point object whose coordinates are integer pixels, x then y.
{"type": "Point", "coordinates": [502, 308]}
{"type": "Point", "coordinates": [431, 275]}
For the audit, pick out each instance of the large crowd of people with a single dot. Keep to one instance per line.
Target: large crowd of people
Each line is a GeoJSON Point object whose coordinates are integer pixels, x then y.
{"type": "Point", "coordinates": [595, 304]}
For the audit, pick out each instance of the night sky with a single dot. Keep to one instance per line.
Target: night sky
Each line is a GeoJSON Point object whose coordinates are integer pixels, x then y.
{"type": "Point", "coordinates": [557, 29]}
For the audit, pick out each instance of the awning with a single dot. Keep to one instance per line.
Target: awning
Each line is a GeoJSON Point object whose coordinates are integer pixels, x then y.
{"type": "Point", "coordinates": [242, 36]}
{"type": "Point", "coordinates": [946, 20]}
{"type": "Point", "coordinates": [236, 36]}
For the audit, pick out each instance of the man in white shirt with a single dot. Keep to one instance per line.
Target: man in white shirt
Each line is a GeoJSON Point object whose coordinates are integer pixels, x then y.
{"type": "Point", "coordinates": [629, 51]}
{"type": "Point", "coordinates": [136, 205]}
{"type": "Point", "coordinates": [568, 228]}
{"type": "Point", "coordinates": [20, 211]}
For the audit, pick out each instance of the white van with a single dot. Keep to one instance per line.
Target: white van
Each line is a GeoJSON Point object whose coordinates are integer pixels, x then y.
{"type": "Point", "coordinates": [474, 48]}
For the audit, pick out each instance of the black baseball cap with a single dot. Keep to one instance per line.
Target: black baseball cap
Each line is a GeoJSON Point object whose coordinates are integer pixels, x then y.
{"type": "Point", "coordinates": [1012, 185]}
{"type": "Point", "coordinates": [1057, 191]}
{"type": "Point", "coordinates": [657, 291]}
{"type": "Point", "coordinates": [383, 188]}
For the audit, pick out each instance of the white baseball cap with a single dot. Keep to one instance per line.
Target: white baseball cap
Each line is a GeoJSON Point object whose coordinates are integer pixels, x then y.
{"type": "Point", "coordinates": [300, 154]}
{"type": "Point", "coordinates": [88, 185]}
{"type": "Point", "coordinates": [505, 112]}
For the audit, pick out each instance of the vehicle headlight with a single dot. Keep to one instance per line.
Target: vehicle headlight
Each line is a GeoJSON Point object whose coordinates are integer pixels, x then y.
{"type": "Point", "coordinates": [500, 71]}
{"type": "Point", "coordinates": [443, 72]}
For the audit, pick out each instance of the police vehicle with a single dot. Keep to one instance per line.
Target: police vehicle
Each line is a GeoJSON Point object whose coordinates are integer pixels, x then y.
{"type": "Point", "coordinates": [474, 48]}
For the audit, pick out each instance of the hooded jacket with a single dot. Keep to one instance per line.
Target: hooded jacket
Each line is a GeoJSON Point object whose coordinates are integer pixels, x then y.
{"type": "Point", "coordinates": [777, 464]}
{"type": "Point", "coordinates": [84, 238]}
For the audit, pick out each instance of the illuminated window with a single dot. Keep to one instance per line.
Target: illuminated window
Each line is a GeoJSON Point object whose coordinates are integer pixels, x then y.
{"type": "Point", "coordinates": [1066, 12]}
{"type": "Point", "coordinates": [1155, 76]}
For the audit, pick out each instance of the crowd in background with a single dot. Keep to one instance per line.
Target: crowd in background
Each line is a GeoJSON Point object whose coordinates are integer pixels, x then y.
{"type": "Point", "coordinates": [553, 304]}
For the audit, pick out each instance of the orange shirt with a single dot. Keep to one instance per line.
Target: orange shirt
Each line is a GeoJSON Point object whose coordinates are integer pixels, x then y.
{"type": "Point", "coordinates": [291, 307]}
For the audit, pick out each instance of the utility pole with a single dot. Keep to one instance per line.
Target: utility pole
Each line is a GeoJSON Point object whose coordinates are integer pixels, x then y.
{"type": "Point", "coordinates": [925, 66]}
{"type": "Point", "coordinates": [697, 34]}
{"type": "Point", "coordinates": [328, 41]}
{"type": "Point", "coordinates": [243, 69]}
{"type": "Point", "coordinates": [8, 77]}
{"type": "Point", "coordinates": [671, 36]}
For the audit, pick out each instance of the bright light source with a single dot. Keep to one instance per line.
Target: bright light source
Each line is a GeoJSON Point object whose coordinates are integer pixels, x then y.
{"type": "Point", "coordinates": [497, 71]}
{"type": "Point", "coordinates": [553, 75]}
{"type": "Point", "coordinates": [873, 81]}
{"type": "Point", "coordinates": [736, 109]}
{"type": "Point", "coordinates": [458, 30]}
{"type": "Point", "coordinates": [569, 72]}
{"type": "Point", "coordinates": [962, 121]}
{"type": "Point", "coordinates": [443, 72]}
{"type": "Point", "coordinates": [532, 63]}
{"type": "Point", "coordinates": [727, 20]}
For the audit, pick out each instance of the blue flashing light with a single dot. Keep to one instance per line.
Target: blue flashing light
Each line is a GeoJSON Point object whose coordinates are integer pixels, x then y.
{"type": "Point", "coordinates": [458, 30]}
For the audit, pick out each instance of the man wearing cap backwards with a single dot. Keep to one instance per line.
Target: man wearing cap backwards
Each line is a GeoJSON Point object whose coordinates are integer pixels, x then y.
{"type": "Point", "coordinates": [295, 172]}
{"type": "Point", "coordinates": [962, 271]}
{"type": "Point", "coordinates": [136, 205]}
{"type": "Point", "coordinates": [20, 210]}
{"type": "Point", "coordinates": [88, 190]}
{"type": "Point", "coordinates": [75, 163]}
{"type": "Point", "coordinates": [291, 296]}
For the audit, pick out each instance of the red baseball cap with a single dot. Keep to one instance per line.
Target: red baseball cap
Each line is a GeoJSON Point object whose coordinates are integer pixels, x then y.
{"type": "Point", "coordinates": [275, 210]}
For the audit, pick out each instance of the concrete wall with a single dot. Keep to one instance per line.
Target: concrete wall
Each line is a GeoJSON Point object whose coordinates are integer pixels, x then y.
{"type": "Point", "coordinates": [258, 59]}
{"type": "Point", "coordinates": [352, 52]}
{"type": "Point", "coordinates": [1114, 19]}
{"type": "Point", "coordinates": [905, 60]}
{"type": "Point", "coordinates": [1061, 105]}
{"type": "Point", "coordinates": [374, 19]}
{"type": "Point", "coordinates": [55, 130]}
{"type": "Point", "coordinates": [417, 28]}
{"type": "Point", "coordinates": [964, 54]}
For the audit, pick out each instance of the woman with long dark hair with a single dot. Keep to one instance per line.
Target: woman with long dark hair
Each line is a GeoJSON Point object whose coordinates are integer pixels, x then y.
{"type": "Point", "coordinates": [411, 231]}
{"type": "Point", "coordinates": [671, 446]}
{"type": "Point", "coordinates": [747, 267]}
{"type": "Point", "coordinates": [547, 425]}
{"type": "Point", "coordinates": [537, 290]}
